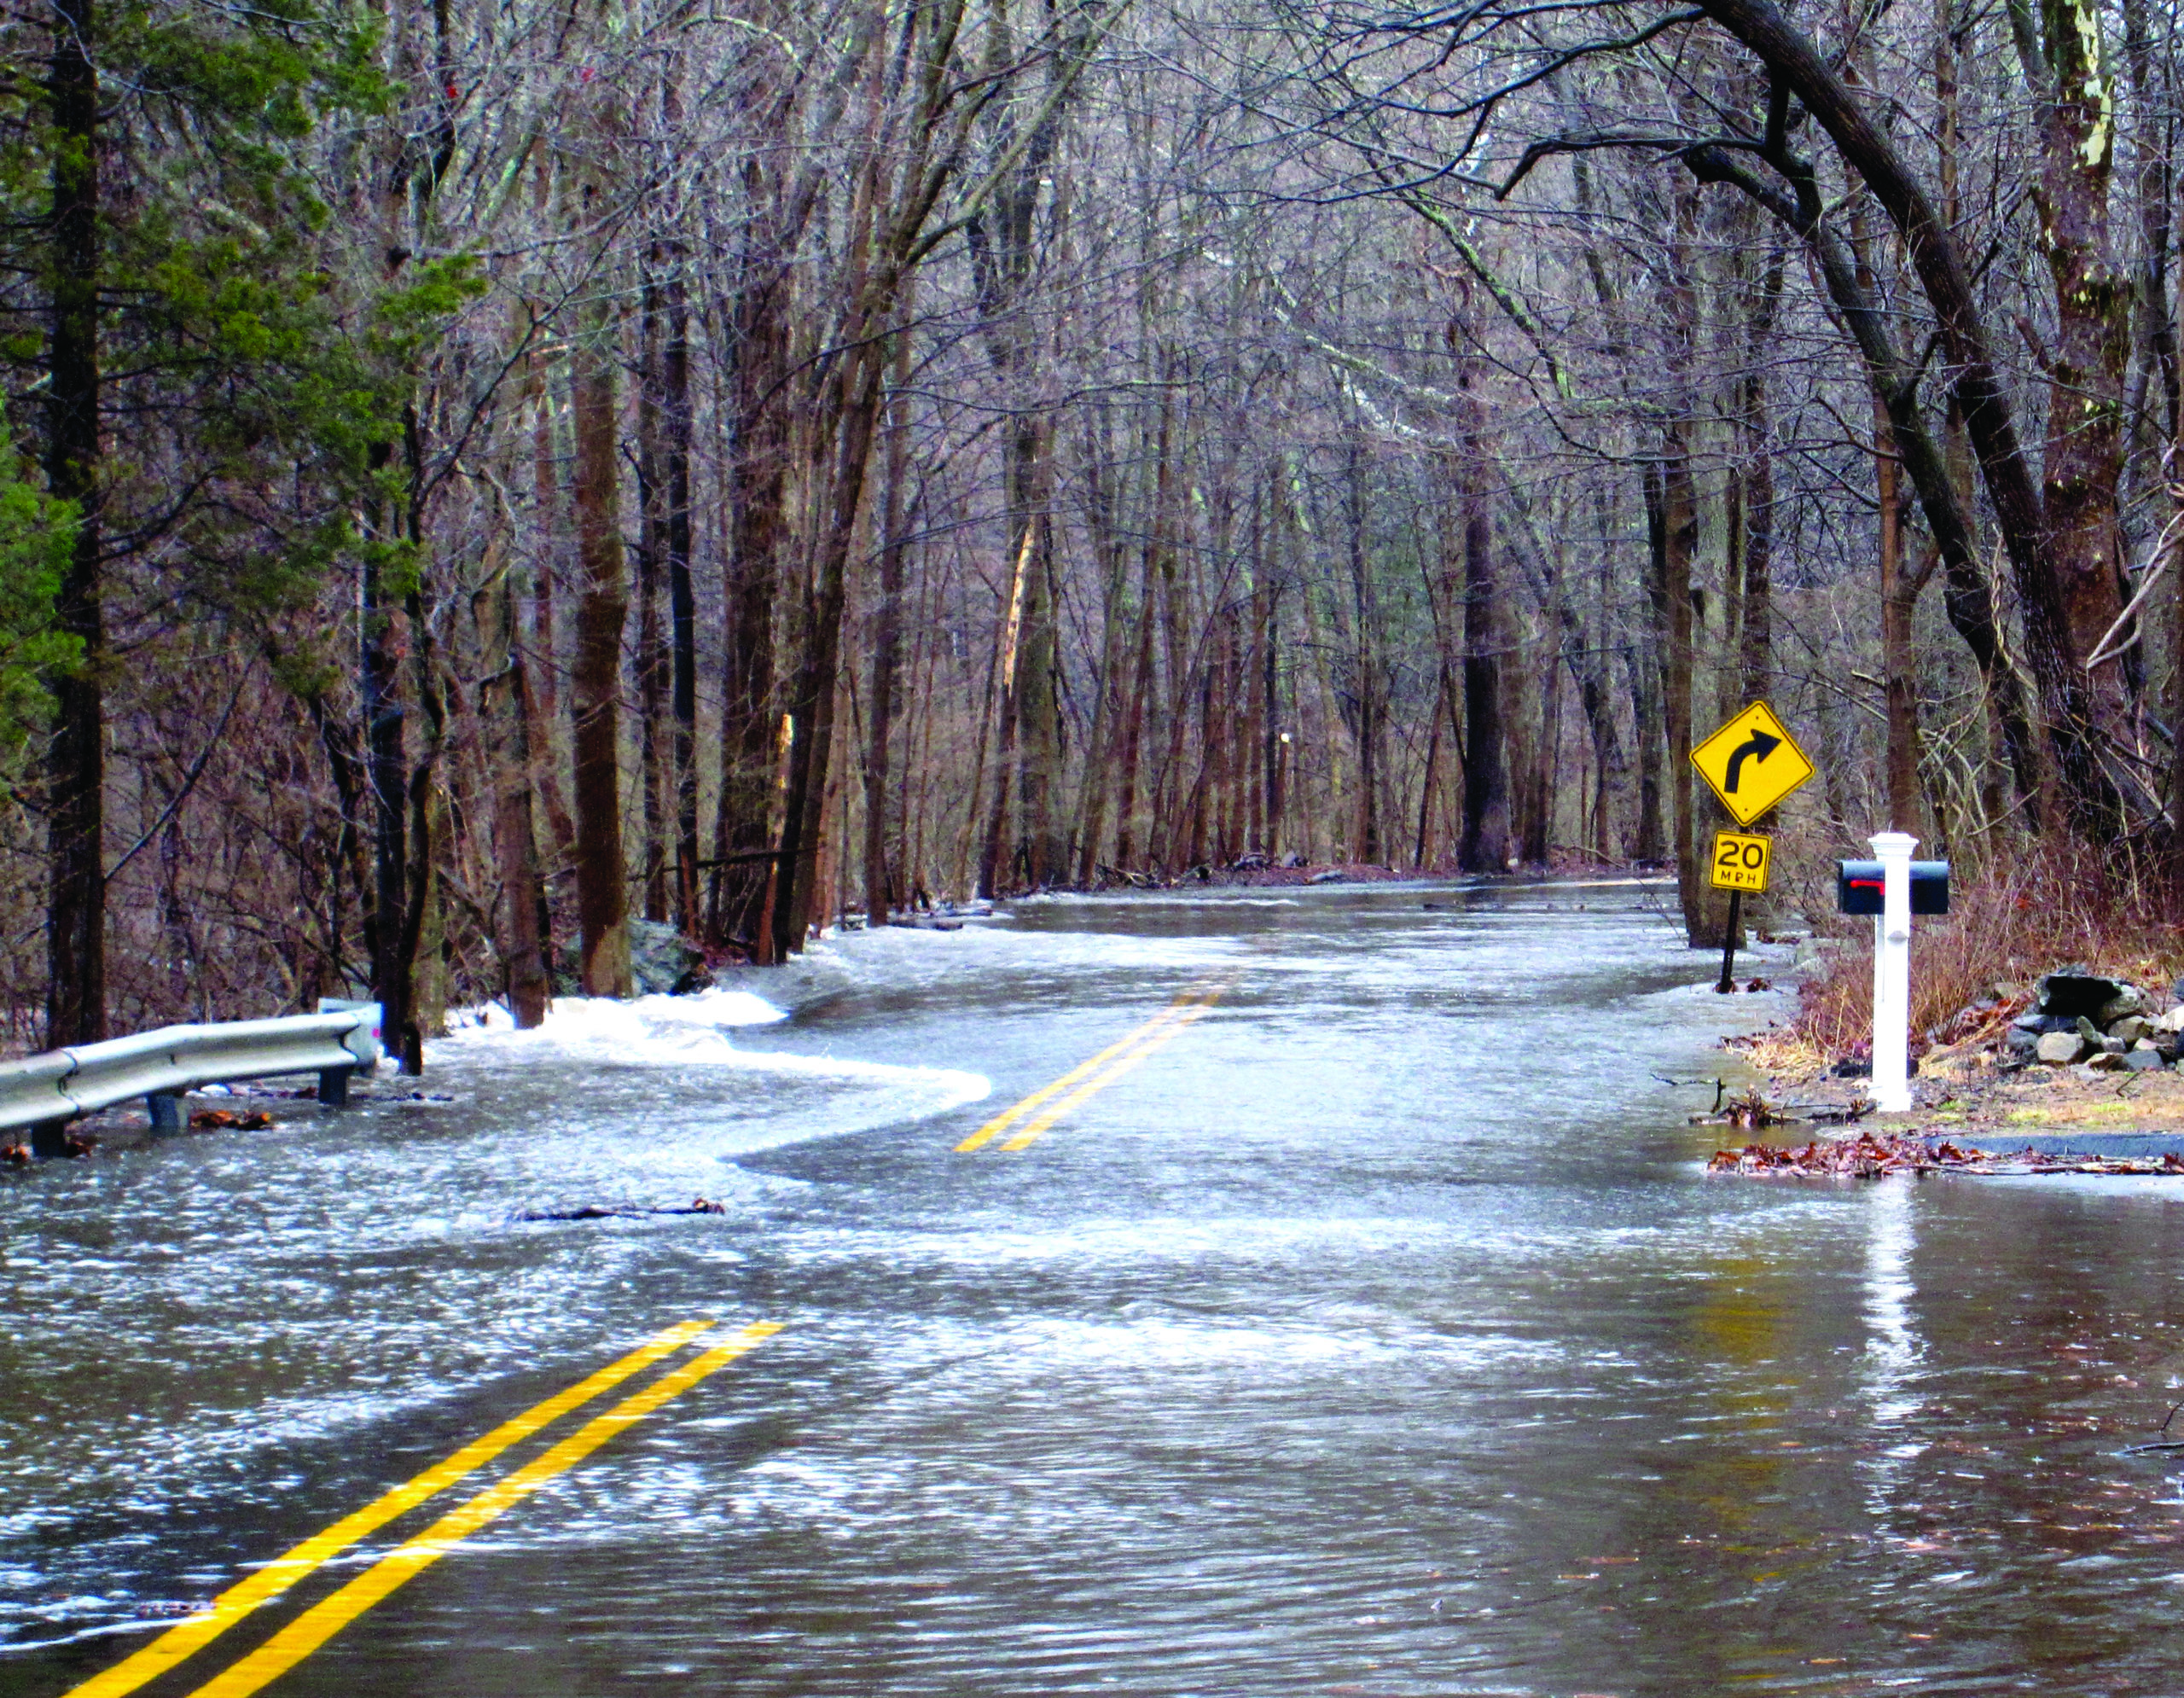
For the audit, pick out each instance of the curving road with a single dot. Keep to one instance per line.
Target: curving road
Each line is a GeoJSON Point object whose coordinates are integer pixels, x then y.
{"type": "Point", "coordinates": [1256, 1293]}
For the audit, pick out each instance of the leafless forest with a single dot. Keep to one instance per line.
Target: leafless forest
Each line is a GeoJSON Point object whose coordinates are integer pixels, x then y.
{"type": "Point", "coordinates": [489, 472]}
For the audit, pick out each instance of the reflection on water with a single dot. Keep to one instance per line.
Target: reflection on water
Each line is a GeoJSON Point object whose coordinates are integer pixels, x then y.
{"type": "Point", "coordinates": [1380, 1335]}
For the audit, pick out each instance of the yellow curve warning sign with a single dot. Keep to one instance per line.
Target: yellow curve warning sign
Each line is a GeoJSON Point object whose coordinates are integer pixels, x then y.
{"type": "Point", "coordinates": [1752, 763]}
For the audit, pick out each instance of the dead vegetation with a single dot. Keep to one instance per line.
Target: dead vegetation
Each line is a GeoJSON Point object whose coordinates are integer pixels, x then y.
{"type": "Point", "coordinates": [1874, 1155]}
{"type": "Point", "coordinates": [1973, 971]}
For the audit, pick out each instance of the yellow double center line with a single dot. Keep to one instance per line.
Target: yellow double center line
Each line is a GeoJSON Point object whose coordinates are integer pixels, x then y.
{"type": "Point", "coordinates": [304, 1635]}
{"type": "Point", "coordinates": [1087, 1077]}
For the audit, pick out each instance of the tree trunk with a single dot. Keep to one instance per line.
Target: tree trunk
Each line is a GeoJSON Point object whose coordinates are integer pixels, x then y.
{"type": "Point", "coordinates": [602, 889]}
{"type": "Point", "coordinates": [425, 1009]}
{"type": "Point", "coordinates": [1678, 542]}
{"type": "Point", "coordinates": [758, 477]}
{"type": "Point", "coordinates": [1372, 707]}
{"type": "Point", "coordinates": [862, 390]}
{"type": "Point", "coordinates": [655, 736]}
{"type": "Point", "coordinates": [2082, 461]}
{"type": "Point", "coordinates": [1007, 657]}
{"type": "Point", "coordinates": [1484, 845]}
{"type": "Point", "coordinates": [75, 1003]}
{"type": "Point", "coordinates": [1133, 736]}
{"type": "Point", "coordinates": [880, 883]}
{"type": "Point", "coordinates": [1113, 555]}
{"type": "Point", "coordinates": [1038, 702]}
{"type": "Point", "coordinates": [1899, 598]}
{"type": "Point", "coordinates": [543, 665]}
{"type": "Point", "coordinates": [1755, 646]}
{"type": "Point", "coordinates": [515, 842]}
{"type": "Point", "coordinates": [382, 641]}
{"type": "Point", "coordinates": [681, 602]}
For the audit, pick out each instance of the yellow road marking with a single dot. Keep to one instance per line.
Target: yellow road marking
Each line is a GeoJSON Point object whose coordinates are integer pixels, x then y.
{"type": "Point", "coordinates": [323, 1620]}
{"type": "Point", "coordinates": [186, 1637]}
{"type": "Point", "coordinates": [1025, 1139]}
{"type": "Point", "coordinates": [1001, 1123]}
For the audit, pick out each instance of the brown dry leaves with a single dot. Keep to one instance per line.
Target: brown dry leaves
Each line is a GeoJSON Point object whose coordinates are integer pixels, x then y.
{"type": "Point", "coordinates": [1874, 1155]}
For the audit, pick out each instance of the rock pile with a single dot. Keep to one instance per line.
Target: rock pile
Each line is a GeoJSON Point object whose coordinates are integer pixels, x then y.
{"type": "Point", "coordinates": [2106, 1023]}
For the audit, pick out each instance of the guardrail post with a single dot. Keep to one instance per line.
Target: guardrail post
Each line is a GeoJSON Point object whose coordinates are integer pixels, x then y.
{"type": "Point", "coordinates": [333, 1086]}
{"type": "Point", "coordinates": [165, 1106]}
{"type": "Point", "coordinates": [49, 1140]}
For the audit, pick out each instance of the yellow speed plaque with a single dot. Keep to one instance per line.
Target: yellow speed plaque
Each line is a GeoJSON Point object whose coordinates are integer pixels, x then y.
{"type": "Point", "coordinates": [1740, 862]}
{"type": "Point", "coordinates": [1752, 763]}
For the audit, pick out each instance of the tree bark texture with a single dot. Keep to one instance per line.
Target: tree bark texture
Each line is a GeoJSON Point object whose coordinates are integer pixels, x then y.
{"type": "Point", "coordinates": [75, 1006]}
{"type": "Point", "coordinates": [602, 888]}
{"type": "Point", "coordinates": [1484, 846]}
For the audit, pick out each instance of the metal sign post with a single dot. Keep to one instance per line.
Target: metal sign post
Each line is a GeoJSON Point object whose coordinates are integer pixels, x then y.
{"type": "Point", "coordinates": [1739, 864]}
{"type": "Point", "coordinates": [1893, 973]}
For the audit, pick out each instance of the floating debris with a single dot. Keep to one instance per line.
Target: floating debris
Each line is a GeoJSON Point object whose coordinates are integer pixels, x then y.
{"type": "Point", "coordinates": [228, 1120]}
{"type": "Point", "coordinates": [1870, 1156]}
{"type": "Point", "coordinates": [72, 1144]}
{"type": "Point", "coordinates": [598, 1211]}
{"type": "Point", "coordinates": [1753, 1113]}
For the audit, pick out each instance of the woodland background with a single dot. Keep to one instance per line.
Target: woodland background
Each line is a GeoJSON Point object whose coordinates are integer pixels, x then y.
{"type": "Point", "coordinates": [488, 470]}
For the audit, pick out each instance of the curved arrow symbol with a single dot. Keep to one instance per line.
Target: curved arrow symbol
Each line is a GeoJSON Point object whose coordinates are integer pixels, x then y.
{"type": "Point", "coordinates": [1757, 746]}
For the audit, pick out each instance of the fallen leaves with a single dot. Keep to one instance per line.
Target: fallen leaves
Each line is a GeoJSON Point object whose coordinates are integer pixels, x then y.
{"type": "Point", "coordinates": [230, 1120]}
{"type": "Point", "coordinates": [1874, 1155]}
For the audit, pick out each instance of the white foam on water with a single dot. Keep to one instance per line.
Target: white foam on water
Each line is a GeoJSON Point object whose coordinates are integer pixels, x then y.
{"type": "Point", "coordinates": [683, 1032]}
{"type": "Point", "coordinates": [574, 1018]}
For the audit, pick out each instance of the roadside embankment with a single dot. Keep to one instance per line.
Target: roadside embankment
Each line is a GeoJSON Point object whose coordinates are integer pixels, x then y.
{"type": "Point", "coordinates": [2047, 1025]}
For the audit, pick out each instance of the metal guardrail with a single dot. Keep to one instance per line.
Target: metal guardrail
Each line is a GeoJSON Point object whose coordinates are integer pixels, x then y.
{"type": "Point", "coordinates": [45, 1092]}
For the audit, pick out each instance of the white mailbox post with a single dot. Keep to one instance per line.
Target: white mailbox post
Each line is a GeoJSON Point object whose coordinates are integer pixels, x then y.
{"type": "Point", "coordinates": [1893, 973]}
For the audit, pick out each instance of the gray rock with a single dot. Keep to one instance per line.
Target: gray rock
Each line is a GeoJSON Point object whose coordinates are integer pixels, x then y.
{"type": "Point", "coordinates": [2060, 1049]}
{"type": "Point", "coordinates": [2019, 1041]}
{"type": "Point", "coordinates": [1333, 875]}
{"type": "Point", "coordinates": [2113, 1046]}
{"type": "Point", "coordinates": [2131, 1028]}
{"type": "Point", "coordinates": [2145, 1062]}
{"type": "Point", "coordinates": [2030, 1021]}
{"type": "Point", "coordinates": [1292, 860]}
{"type": "Point", "coordinates": [2147, 1043]}
{"type": "Point", "coordinates": [2107, 1063]}
{"type": "Point", "coordinates": [2073, 991]}
{"type": "Point", "coordinates": [2171, 1021]}
{"type": "Point", "coordinates": [2087, 1030]}
{"type": "Point", "coordinates": [660, 960]}
{"type": "Point", "coordinates": [2128, 1000]}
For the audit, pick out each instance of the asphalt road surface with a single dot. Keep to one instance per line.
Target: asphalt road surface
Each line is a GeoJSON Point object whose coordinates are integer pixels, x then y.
{"type": "Point", "coordinates": [1258, 1293]}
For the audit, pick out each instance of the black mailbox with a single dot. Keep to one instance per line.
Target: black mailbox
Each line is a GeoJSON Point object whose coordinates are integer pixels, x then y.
{"type": "Point", "coordinates": [1858, 887]}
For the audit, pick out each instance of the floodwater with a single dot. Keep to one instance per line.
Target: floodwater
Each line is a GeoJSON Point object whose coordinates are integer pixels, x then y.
{"type": "Point", "coordinates": [1379, 1332]}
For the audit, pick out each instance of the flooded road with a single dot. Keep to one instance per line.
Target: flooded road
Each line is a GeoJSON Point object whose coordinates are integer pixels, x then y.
{"type": "Point", "coordinates": [1368, 1325]}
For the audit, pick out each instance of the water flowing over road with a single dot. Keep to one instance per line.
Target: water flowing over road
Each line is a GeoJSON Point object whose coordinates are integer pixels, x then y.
{"type": "Point", "coordinates": [1363, 1322]}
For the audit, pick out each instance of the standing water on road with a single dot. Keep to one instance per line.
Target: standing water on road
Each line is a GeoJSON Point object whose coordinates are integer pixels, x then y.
{"type": "Point", "coordinates": [1377, 1331]}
